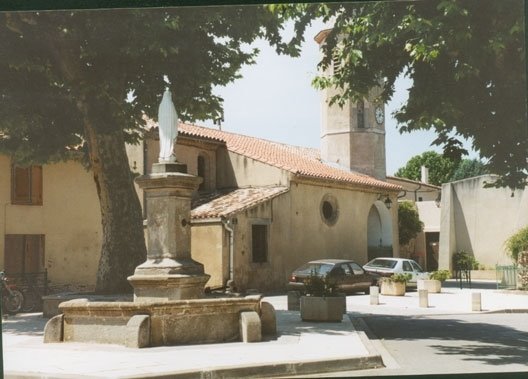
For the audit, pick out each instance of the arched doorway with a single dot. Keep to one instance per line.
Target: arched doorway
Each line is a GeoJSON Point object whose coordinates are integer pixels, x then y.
{"type": "Point", "coordinates": [379, 231]}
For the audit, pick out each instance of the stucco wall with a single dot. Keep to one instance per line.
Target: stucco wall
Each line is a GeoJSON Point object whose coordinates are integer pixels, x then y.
{"type": "Point", "coordinates": [235, 170]}
{"type": "Point", "coordinates": [209, 246]}
{"type": "Point", "coordinates": [298, 234]}
{"type": "Point", "coordinates": [478, 220]}
{"type": "Point", "coordinates": [69, 218]}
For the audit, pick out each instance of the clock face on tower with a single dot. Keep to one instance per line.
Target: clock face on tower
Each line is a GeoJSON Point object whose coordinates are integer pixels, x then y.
{"type": "Point", "coordinates": [380, 115]}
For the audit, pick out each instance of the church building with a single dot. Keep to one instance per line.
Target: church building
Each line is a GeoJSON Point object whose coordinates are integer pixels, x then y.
{"type": "Point", "coordinates": [263, 208]}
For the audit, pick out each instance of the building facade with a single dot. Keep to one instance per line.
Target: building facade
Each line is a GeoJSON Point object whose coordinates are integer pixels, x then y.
{"type": "Point", "coordinates": [479, 220]}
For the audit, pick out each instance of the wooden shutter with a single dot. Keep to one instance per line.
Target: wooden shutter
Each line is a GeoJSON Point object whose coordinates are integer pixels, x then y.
{"type": "Point", "coordinates": [14, 253]}
{"type": "Point", "coordinates": [21, 185]}
{"type": "Point", "coordinates": [36, 185]}
{"type": "Point", "coordinates": [24, 253]}
{"type": "Point", "coordinates": [26, 185]}
{"type": "Point", "coordinates": [34, 253]}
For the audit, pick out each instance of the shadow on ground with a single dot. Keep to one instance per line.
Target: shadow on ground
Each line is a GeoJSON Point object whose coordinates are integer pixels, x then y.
{"type": "Point", "coordinates": [31, 324]}
{"type": "Point", "coordinates": [478, 341]}
{"type": "Point", "coordinates": [291, 325]}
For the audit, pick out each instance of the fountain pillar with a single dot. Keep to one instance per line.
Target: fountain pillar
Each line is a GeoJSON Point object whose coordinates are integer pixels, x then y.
{"type": "Point", "coordinates": [169, 273]}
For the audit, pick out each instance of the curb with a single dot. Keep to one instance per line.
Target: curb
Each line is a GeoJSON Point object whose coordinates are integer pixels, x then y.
{"type": "Point", "coordinates": [274, 370]}
{"type": "Point", "coordinates": [298, 368]}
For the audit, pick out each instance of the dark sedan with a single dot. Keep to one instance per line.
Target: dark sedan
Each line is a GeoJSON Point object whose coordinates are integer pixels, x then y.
{"type": "Point", "coordinates": [348, 275]}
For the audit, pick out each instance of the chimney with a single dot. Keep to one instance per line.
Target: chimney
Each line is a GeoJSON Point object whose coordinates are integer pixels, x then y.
{"type": "Point", "coordinates": [425, 175]}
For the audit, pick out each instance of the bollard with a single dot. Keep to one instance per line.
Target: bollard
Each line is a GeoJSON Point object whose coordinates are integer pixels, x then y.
{"type": "Point", "coordinates": [476, 304]}
{"type": "Point", "coordinates": [294, 300]}
{"type": "Point", "coordinates": [423, 295]}
{"type": "Point", "coordinates": [374, 295]}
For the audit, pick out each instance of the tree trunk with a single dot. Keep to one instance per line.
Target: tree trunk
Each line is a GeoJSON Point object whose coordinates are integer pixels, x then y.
{"type": "Point", "coordinates": [123, 246]}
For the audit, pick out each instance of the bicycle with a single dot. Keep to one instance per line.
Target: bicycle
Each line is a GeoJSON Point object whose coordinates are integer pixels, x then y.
{"type": "Point", "coordinates": [32, 296]}
{"type": "Point", "coordinates": [12, 298]}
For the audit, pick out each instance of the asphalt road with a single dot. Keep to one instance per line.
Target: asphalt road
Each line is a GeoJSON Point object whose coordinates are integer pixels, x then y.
{"type": "Point", "coordinates": [454, 344]}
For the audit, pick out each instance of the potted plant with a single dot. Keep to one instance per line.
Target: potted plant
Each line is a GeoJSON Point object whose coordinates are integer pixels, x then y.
{"type": "Point", "coordinates": [394, 285]}
{"type": "Point", "coordinates": [434, 283]}
{"type": "Point", "coordinates": [321, 301]}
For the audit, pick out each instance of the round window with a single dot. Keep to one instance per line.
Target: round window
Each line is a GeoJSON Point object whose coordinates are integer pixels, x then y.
{"type": "Point", "coordinates": [329, 211]}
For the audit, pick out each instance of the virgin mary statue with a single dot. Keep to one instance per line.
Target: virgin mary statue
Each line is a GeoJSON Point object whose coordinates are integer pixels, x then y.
{"type": "Point", "coordinates": [168, 128]}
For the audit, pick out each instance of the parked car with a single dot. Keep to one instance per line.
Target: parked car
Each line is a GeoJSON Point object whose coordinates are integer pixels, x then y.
{"type": "Point", "coordinates": [348, 275]}
{"type": "Point", "coordinates": [389, 266]}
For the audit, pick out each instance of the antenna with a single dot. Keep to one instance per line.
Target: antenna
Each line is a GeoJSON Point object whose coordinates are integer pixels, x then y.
{"type": "Point", "coordinates": [218, 121]}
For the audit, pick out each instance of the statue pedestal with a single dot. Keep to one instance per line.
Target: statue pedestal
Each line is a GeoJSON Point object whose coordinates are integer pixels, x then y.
{"type": "Point", "coordinates": [169, 272]}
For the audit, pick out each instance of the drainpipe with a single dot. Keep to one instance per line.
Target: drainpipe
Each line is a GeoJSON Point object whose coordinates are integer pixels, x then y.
{"type": "Point", "coordinates": [229, 225]}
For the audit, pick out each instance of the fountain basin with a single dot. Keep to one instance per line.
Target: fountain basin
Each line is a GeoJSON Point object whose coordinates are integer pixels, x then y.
{"type": "Point", "coordinates": [162, 323]}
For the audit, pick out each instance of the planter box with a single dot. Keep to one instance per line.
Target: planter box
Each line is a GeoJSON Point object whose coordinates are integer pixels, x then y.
{"type": "Point", "coordinates": [432, 286]}
{"type": "Point", "coordinates": [328, 309]}
{"type": "Point", "coordinates": [392, 288]}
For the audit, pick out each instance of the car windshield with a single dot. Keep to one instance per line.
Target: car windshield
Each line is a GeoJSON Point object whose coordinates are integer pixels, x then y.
{"type": "Point", "coordinates": [317, 268]}
{"type": "Point", "coordinates": [416, 266]}
{"type": "Point", "coordinates": [382, 263]}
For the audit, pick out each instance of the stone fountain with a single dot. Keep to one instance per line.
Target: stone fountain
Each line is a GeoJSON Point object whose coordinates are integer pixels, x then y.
{"type": "Point", "coordinates": [169, 307]}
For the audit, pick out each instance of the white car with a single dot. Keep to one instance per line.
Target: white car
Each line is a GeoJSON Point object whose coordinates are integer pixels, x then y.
{"type": "Point", "coordinates": [386, 266]}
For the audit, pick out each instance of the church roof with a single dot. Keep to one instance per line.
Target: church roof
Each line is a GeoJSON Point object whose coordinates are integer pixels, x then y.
{"type": "Point", "coordinates": [227, 202]}
{"type": "Point", "coordinates": [301, 161]}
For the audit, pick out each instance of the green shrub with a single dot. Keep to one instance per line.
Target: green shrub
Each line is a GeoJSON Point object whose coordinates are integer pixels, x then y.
{"type": "Point", "coordinates": [441, 275]}
{"type": "Point", "coordinates": [522, 260]}
{"type": "Point", "coordinates": [409, 224]}
{"type": "Point", "coordinates": [464, 261]}
{"type": "Point", "coordinates": [517, 243]}
{"type": "Point", "coordinates": [315, 285]}
{"type": "Point", "coordinates": [398, 278]}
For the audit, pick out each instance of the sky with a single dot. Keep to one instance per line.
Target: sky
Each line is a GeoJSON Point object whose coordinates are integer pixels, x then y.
{"type": "Point", "coordinates": [274, 100]}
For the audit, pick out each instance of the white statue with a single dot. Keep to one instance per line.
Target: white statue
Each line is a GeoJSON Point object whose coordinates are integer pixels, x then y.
{"type": "Point", "coordinates": [168, 128]}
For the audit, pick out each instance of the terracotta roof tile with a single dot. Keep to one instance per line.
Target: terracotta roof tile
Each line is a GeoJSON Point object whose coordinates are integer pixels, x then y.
{"type": "Point", "coordinates": [225, 203]}
{"type": "Point", "coordinates": [301, 161]}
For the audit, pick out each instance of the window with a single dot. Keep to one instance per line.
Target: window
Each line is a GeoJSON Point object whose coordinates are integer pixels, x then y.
{"type": "Point", "coordinates": [259, 238]}
{"type": "Point", "coordinates": [24, 253]}
{"type": "Point", "coordinates": [347, 270]}
{"type": "Point", "coordinates": [336, 64]}
{"type": "Point", "coordinates": [26, 185]}
{"type": "Point", "coordinates": [416, 267]}
{"type": "Point", "coordinates": [361, 114]}
{"type": "Point", "coordinates": [407, 266]}
{"type": "Point", "coordinates": [357, 269]}
{"type": "Point", "coordinates": [329, 209]}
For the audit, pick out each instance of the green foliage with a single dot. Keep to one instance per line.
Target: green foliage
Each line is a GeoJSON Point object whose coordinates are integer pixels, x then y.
{"type": "Point", "coordinates": [440, 169]}
{"type": "Point", "coordinates": [409, 224]}
{"type": "Point", "coordinates": [522, 269]}
{"type": "Point", "coordinates": [466, 60]}
{"type": "Point", "coordinates": [82, 81]}
{"type": "Point", "coordinates": [464, 261]}
{"type": "Point", "coordinates": [53, 62]}
{"type": "Point", "coordinates": [441, 275]}
{"type": "Point", "coordinates": [517, 243]}
{"type": "Point", "coordinates": [316, 285]}
{"type": "Point", "coordinates": [469, 168]}
{"type": "Point", "coordinates": [397, 278]}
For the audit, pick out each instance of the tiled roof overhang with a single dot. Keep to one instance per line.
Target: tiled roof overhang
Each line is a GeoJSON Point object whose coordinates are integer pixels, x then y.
{"type": "Point", "coordinates": [229, 202]}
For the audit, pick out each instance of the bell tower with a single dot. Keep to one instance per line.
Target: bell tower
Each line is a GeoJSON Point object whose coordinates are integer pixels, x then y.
{"type": "Point", "coordinates": [353, 136]}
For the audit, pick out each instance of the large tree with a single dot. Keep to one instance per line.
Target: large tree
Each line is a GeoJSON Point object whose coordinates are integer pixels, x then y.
{"type": "Point", "coordinates": [466, 59]}
{"type": "Point", "coordinates": [440, 169]}
{"type": "Point", "coordinates": [82, 81]}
